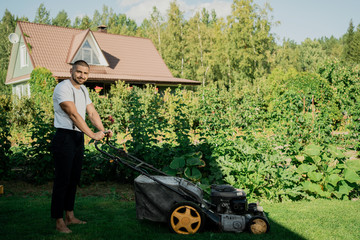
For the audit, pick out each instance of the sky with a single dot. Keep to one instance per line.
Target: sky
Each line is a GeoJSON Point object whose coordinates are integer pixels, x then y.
{"type": "Point", "coordinates": [298, 19]}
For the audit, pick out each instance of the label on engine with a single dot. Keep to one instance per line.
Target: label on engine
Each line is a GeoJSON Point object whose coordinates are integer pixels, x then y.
{"type": "Point", "coordinates": [233, 223]}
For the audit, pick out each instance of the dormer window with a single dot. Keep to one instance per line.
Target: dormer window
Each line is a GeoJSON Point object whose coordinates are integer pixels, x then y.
{"type": "Point", "coordinates": [88, 54]}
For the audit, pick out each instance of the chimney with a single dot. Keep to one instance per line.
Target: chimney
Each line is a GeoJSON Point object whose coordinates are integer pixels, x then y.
{"type": "Point", "coordinates": [102, 28]}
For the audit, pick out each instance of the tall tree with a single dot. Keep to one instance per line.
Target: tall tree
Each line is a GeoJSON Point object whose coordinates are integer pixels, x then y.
{"type": "Point", "coordinates": [153, 28]}
{"type": "Point", "coordinates": [348, 43]}
{"type": "Point", "coordinates": [7, 26]}
{"type": "Point", "coordinates": [332, 46]}
{"type": "Point", "coordinates": [77, 22]}
{"type": "Point", "coordinates": [173, 39]}
{"type": "Point", "coordinates": [96, 20]}
{"type": "Point", "coordinates": [351, 50]}
{"type": "Point", "coordinates": [85, 22]}
{"type": "Point", "coordinates": [42, 15]}
{"type": "Point", "coordinates": [285, 56]}
{"type": "Point", "coordinates": [356, 45]}
{"type": "Point", "coordinates": [199, 47]}
{"type": "Point", "coordinates": [249, 41]}
{"type": "Point", "coordinates": [61, 19]}
{"type": "Point", "coordinates": [156, 21]}
{"type": "Point", "coordinates": [121, 24]}
{"type": "Point", "coordinates": [311, 55]}
{"type": "Point", "coordinates": [106, 13]}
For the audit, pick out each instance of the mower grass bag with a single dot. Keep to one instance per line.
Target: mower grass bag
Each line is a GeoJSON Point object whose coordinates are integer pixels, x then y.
{"type": "Point", "coordinates": [154, 200]}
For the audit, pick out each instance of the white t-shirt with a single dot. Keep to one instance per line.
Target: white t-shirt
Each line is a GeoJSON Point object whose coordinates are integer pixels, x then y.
{"type": "Point", "coordinates": [65, 91]}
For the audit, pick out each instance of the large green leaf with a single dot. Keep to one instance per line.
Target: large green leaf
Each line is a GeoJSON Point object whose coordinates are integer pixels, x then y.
{"type": "Point", "coordinates": [351, 176]}
{"type": "Point", "coordinates": [333, 179]}
{"type": "Point", "coordinates": [354, 164]}
{"type": "Point", "coordinates": [315, 176]}
{"type": "Point", "coordinates": [177, 162]}
{"type": "Point", "coordinates": [170, 171]}
{"type": "Point", "coordinates": [194, 160]}
{"type": "Point", "coordinates": [315, 188]}
{"type": "Point", "coordinates": [324, 194]}
{"type": "Point", "coordinates": [335, 152]}
{"type": "Point", "coordinates": [344, 189]}
{"type": "Point", "coordinates": [311, 187]}
{"type": "Point", "coordinates": [305, 168]}
{"type": "Point", "coordinates": [313, 150]}
{"type": "Point", "coordinates": [192, 173]}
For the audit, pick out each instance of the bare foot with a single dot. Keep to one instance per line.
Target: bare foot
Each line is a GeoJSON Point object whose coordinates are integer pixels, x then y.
{"type": "Point", "coordinates": [74, 220]}
{"type": "Point", "coordinates": [71, 219]}
{"type": "Point", "coordinates": [61, 226]}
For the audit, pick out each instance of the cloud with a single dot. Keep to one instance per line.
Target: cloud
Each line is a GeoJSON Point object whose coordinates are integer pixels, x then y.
{"type": "Point", "coordinates": [143, 9]}
{"type": "Point", "coordinates": [222, 7]}
{"type": "Point", "coordinates": [138, 10]}
{"type": "Point", "coordinates": [127, 3]}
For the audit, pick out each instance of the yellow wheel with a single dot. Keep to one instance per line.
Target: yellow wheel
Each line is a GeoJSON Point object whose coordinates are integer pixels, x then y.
{"type": "Point", "coordinates": [186, 218]}
{"type": "Point", "coordinates": [258, 225]}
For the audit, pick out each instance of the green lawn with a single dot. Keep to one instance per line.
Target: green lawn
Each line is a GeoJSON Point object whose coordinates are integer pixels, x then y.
{"type": "Point", "coordinates": [109, 217]}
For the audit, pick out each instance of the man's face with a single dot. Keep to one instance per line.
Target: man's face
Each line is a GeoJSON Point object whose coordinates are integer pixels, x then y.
{"type": "Point", "coordinates": [79, 74]}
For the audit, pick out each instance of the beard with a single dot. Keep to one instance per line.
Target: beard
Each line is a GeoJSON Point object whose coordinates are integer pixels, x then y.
{"type": "Point", "coordinates": [75, 79]}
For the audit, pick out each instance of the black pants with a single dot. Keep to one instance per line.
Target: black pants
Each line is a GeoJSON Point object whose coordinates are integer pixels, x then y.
{"type": "Point", "coordinates": [68, 153]}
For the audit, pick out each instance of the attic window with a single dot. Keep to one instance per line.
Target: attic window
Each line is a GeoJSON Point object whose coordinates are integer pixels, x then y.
{"type": "Point", "coordinates": [23, 57]}
{"type": "Point", "coordinates": [87, 54]}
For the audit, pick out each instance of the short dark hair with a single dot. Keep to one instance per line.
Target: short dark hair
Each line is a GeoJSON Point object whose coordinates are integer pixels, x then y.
{"type": "Point", "coordinates": [81, 63]}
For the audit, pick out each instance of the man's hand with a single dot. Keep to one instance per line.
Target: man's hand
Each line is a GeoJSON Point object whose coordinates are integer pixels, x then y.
{"type": "Point", "coordinates": [108, 133]}
{"type": "Point", "coordinates": [98, 135]}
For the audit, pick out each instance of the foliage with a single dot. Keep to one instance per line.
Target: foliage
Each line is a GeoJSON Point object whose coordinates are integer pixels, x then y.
{"type": "Point", "coordinates": [61, 19]}
{"type": "Point", "coordinates": [327, 173]}
{"type": "Point", "coordinates": [351, 48]}
{"type": "Point", "coordinates": [249, 41]}
{"type": "Point", "coordinates": [7, 26]}
{"type": "Point", "coordinates": [42, 15]}
{"type": "Point", "coordinates": [38, 164]}
{"type": "Point", "coordinates": [35, 116]}
{"type": "Point", "coordinates": [5, 144]}
{"type": "Point", "coordinates": [258, 140]}
{"type": "Point", "coordinates": [186, 166]}
{"type": "Point", "coordinates": [42, 87]}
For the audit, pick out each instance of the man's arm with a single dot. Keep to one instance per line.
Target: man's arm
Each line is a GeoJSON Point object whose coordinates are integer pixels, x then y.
{"type": "Point", "coordinates": [95, 119]}
{"type": "Point", "coordinates": [70, 109]}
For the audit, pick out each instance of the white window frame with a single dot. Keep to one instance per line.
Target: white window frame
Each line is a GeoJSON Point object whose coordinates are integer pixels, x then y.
{"type": "Point", "coordinates": [24, 62]}
{"type": "Point", "coordinates": [94, 51]}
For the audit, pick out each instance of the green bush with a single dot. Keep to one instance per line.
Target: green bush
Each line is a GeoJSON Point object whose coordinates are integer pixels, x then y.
{"type": "Point", "coordinates": [32, 158]}
{"type": "Point", "coordinates": [5, 144]}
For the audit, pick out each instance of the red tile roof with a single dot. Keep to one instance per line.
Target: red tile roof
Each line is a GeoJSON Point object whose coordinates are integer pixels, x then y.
{"type": "Point", "coordinates": [132, 59]}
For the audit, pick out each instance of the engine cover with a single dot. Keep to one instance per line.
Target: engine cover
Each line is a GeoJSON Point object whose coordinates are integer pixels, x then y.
{"type": "Point", "coordinates": [233, 223]}
{"type": "Point", "coordinates": [239, 205]}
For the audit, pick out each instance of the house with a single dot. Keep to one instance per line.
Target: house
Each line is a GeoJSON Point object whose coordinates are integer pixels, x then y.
{"type": "Point", "coordinates": [111, 57]}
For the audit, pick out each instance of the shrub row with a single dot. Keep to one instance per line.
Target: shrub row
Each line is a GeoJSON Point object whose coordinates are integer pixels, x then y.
{"type": "Point", "coordinates": [289, 136]}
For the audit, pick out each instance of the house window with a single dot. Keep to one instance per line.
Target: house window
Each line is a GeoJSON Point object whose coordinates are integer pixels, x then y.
{"type": "Point", "coordinates": [22, 90]}
{"type": "Point", "coordinates": [87, 54]}
{"type": "Point", "coordinates": [24, 62]}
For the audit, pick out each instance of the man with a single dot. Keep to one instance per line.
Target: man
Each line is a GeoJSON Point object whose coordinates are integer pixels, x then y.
{"type": "Point", "coordinates": [71, 103]}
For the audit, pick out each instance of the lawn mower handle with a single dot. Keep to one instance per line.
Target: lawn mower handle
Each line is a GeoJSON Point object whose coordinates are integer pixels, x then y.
{"type": "Point", "coordinates": [140, 166]}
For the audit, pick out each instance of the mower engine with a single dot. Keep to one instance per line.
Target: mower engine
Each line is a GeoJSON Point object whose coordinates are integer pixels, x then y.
{"type": "Point", "coordinates": [235, 212]}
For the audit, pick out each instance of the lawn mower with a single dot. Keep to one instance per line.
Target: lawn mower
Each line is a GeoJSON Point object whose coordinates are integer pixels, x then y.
{"type": "Point", "coordinates": [178, 202]}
